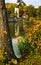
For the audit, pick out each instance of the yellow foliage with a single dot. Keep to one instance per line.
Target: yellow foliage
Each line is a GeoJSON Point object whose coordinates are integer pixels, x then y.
{"type": "Point", "coordinates": [1, 56]}
{"type": "Point", "coordinates": [14, 61]}
{"type": "Point", "coordinates": [8, 5]}
{"type": "Point", "coordinates": [39, 43]}
{"type": "Point", "coordinates": [31, 19]}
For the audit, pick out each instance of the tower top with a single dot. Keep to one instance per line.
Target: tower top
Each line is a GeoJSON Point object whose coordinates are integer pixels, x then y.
{"type": "Point", "coordinates": [19, 1]}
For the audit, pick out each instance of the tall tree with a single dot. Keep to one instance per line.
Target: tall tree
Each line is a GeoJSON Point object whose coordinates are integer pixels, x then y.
{"type": "Point", "coordinates": [38, 12]}
{"type": "Point", "coordinates": [5, 32]}
{"type": "Point", "coordinates": [31, 11]}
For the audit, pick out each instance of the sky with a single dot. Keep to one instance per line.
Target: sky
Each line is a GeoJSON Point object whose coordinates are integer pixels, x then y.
{"type": "Point", "coordinates": [35, 3]}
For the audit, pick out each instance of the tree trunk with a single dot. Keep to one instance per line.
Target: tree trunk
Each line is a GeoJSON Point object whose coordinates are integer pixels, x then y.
{"type": "Point", "coordinates": [5, 38]}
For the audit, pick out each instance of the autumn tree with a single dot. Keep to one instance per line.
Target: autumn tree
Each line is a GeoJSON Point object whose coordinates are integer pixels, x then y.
{"type": "Point", "coordinates": [38, 12]}
{"type": "Point", "coordinates": [31, 11]}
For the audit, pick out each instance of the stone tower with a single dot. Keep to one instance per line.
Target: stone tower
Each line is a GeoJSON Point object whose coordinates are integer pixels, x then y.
{"type": "Point", "coordinates": [20, 2]}
{"type": "Point", "coordinates": [5, 38]}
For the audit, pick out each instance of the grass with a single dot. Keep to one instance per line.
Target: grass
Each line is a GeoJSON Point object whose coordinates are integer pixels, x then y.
{"type": "Point", "coordinates": [34, 59]}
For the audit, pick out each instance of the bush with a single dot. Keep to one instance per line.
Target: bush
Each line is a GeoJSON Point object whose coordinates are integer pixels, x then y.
{"type": "Point", "coordinates": [25, 47]}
